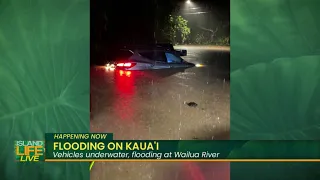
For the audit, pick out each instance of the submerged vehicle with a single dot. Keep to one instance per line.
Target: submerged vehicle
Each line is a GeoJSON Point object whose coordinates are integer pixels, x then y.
{"type": "Point", "coordinates": [147, 58]}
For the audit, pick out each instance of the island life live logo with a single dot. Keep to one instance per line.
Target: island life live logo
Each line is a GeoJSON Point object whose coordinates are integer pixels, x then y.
{"type": "Point", "coordinates": [29, 151]}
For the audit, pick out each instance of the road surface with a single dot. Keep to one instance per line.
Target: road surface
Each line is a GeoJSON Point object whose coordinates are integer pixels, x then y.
{"type": "Point", "coordinates": [153, 105]}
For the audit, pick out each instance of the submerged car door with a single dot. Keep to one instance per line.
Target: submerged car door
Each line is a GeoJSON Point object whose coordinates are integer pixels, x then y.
{"type": "Point", "coordinates": [160, 60]}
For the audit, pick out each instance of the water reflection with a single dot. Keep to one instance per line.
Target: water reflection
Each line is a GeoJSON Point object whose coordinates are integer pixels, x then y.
{"type": "Point", "coordinates": [125, 91]}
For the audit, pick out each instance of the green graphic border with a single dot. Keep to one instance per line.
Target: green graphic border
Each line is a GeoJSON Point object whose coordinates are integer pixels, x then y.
{"type": "Point", "coordinates": [275, 81]}
{"type": "Point", "coordinates": [44, 75]}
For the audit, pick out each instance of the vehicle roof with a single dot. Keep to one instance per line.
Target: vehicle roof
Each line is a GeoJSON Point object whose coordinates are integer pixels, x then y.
{"type": "Point", "coordinates": [149, 47]}
{"type": "Point", "coordinates": [148, 51]}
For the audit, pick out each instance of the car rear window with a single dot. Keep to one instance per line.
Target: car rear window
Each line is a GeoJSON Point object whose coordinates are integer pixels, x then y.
{"type": "Point", "coordinates": [149, 54]}
{"type": "Point", "coordinates": [154, 55]}
{"type": "Point", "coordinates": [160, 56]}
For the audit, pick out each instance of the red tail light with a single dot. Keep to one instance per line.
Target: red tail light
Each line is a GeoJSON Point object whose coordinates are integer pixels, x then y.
{"type": "Point", "coordinates": [126, 73]}
{"type": "Point", "coordinates": [126, 65]}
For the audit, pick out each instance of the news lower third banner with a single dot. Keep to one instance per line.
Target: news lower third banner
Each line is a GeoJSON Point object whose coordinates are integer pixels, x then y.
{"type": "Point", "coordinates": [102, 147]}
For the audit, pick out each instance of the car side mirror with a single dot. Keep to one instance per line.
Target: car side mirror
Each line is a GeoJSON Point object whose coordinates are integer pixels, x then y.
{"type": "Point", "coordinates": [183, 52]}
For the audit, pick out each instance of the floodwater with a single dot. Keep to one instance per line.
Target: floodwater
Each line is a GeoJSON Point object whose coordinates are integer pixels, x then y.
{"type": "Point", "coordinates": [154, 105]}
